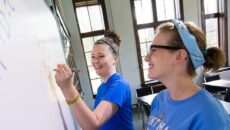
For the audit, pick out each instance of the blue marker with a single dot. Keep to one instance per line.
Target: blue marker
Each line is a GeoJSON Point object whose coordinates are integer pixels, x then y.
{"type": "Point", "coordinates": [3, 66]}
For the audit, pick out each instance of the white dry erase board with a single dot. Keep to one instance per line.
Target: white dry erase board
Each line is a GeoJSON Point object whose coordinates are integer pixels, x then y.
{"type": "Point", "coordinates": [30, 47]}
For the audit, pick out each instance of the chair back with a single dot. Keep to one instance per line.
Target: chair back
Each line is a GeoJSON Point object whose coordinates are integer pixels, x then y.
{"type": "Point", "coordinates": [209, 78]}
{"type": "Point", "coordinates": [143, 91]}
{"type": "Point", "coordinates": [157, 88]}
{"type": "Point", "coordinates": [227, 96]}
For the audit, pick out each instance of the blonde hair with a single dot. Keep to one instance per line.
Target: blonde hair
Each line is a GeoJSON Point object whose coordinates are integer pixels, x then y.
{"type": "Point", "coordinates": [214, 57]}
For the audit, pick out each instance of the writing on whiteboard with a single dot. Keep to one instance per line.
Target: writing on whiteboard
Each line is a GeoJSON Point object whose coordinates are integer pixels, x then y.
{"type": "Point", "coordinates": [6, 10]}
{"type": "Point", "coordinates": [10, 8]}
{"type": "Point", "coordinates": [4, 24]}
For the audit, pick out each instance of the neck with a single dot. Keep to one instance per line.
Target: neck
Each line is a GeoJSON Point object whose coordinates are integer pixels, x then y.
{"type": "Point", "coordinates": [109, 74]}
{"type": "Point", "coordinates": [181, 88]}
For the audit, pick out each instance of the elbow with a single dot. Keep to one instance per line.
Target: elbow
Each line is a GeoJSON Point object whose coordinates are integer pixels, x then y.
{"type": "Point", "coordinates": [92, 126]}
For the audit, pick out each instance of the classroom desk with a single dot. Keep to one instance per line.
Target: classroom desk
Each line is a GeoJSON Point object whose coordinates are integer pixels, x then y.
{"type": "Point", "coordinates": [222, 83]}
{"type": "Point", "coordinates": [148, 99]}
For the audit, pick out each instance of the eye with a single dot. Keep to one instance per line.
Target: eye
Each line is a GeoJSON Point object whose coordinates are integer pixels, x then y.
{"type": "Point", "coordinates": [101, 56]}
{"type": "Point", "coordinates": [152, 50]}
{"type": "Point", "coordinates": [92, 57]}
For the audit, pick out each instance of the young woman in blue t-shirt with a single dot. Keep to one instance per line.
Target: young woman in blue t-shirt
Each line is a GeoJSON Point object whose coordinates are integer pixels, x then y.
{"type": "Point", "coordinates": [113, 109]}
{"type": "Point", "coordinates": [177, 50]}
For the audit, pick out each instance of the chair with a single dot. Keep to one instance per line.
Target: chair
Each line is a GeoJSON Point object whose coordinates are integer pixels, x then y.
{"type": "Point", "coordinates": [143, 91]}
{"type": "Point", "coordinates": [142, 106]}
{"type": "Point", "coordinates": [157, 88]}
{"type": "Point", "coordinates": [217, 92]}
{"type": "Point", "coordinates": [227, 96]}
{"type": "Point", "coordinates": [208, 78]}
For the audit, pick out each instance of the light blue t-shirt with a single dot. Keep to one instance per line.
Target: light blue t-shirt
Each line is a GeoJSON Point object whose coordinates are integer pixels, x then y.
{"type": "Point", "coordinates": [117, 91]}
{"type": "Point", "coordinates": [199, 112]}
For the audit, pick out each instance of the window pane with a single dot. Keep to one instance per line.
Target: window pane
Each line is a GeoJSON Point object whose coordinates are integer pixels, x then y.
{"type": "Point", "coordinates": [210, 6]}
{"type": "Point", "coordinates": [148, 45]}
{"type": "Point", "coordinates": [144, 63]}
{"type": "Point", "coordinates": [146, 35]}
{"type": "Point", "coordinates": [146, 75]}
{"type": "Point", "coordinates": [88, 58]}
{"type": "Point", "coordinates": [88, 44]}
{"type": "Point", "coordinates": [97, 37]}
{"type": "Point", "coordinates": [211, 32]}
{"type": "Point", "coordinates": [97, 17]}
{"type": "Point", "coordinates": [95, 84]}
{"type": "Point", "coordinates": [83, 19]}
{"type": "Point", "coordinates": [92, 73]}
{"type": "Point", "coordinates": [165, 9]}
{"type": "Point", "coordinates": [143, 11]}
{"type": "Point", "coordinates": [144, 49]}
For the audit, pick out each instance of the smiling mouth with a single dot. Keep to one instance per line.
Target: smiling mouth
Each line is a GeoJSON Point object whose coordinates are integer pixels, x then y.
{"type": "Point", "coordinates": [150, 65]}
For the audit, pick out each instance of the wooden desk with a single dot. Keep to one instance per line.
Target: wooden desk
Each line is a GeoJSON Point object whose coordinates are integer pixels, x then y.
{"type": "Point", "coordinates": [222, 83]}
{"type": "Point", "coordinates": [148, 99]}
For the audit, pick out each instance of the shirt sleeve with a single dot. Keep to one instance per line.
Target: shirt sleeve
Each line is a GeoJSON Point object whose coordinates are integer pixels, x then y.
{"type": "Point", "coordinates": [117, 93]}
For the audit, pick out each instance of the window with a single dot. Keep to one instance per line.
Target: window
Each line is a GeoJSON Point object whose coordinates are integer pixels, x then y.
{"type": "Point", "coordinates": [65, 35]}
{"type": "Point", "coordinates": [92, 22]}
{"type": "Point", "coordinates": [147, 15]}
{"type": "Point", "coordinates": [214, 23]}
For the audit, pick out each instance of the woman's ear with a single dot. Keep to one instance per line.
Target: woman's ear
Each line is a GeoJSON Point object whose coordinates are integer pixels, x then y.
{"type": "Point", "coordinates": [116, 58]}
{"type": "Point", "coordinates": [181, 56]}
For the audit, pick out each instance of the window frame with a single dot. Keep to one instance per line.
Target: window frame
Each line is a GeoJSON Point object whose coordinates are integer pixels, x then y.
{"type": "Point", "coordinates": [222, 25]}
{"type": "Point", "coordinates": [154, 25]}
{"type": "Point", "coordinates": [84, 3]}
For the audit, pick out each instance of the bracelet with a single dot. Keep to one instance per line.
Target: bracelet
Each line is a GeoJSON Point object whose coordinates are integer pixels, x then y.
{"type": "Point", "coordinates": [74, 100]}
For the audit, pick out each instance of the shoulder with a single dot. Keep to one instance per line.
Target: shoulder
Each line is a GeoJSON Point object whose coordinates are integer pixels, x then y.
{"type": "Point", "coordinates": [210, 112]}
{"type": "Point", "coordinates": [161, 97]}
{"type": "Point", "coordinates": [118, 82]}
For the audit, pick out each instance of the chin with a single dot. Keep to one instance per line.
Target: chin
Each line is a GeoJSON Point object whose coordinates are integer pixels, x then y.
{"type": "Point", "coordinates": [100, 74]}
{"type": "Point", "coordinates": [152, 76]}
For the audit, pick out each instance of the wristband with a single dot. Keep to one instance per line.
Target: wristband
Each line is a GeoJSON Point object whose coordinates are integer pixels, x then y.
{"type": "Point", "coordinates": [74, 100]}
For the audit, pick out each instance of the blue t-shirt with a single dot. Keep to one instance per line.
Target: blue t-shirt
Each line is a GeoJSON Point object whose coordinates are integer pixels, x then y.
{"type": "Point", "coordinates": [199, 112]}
{"type": "Point", "coordinates": [117, 91]}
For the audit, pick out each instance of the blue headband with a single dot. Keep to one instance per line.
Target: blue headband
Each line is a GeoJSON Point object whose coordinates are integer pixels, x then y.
{"type": "Point", "coordinates": [190, 44]}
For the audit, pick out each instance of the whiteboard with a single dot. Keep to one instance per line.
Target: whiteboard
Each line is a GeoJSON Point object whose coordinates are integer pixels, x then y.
{"type": "Point", "coordinates": [30, 47]}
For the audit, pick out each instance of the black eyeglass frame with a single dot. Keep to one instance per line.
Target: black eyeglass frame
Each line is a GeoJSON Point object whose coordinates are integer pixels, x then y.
{"type": "Point", "coordinates": [165, 47]}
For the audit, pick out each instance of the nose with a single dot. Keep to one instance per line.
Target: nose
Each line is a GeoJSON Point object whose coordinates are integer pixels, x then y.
{"type": "Point", "coordinates": [147, 57]}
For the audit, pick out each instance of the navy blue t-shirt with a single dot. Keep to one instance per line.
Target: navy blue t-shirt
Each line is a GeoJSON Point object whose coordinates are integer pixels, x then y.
{"type": "Point", "coordinates": [117, 91]}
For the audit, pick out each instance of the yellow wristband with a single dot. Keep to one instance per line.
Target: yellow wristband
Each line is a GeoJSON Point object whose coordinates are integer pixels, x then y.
{"type": "Point", "coordinates": [74, 100]}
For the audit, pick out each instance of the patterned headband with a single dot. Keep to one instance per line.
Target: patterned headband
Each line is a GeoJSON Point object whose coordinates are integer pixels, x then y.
{"type": "Point", "coordinates": [110, 42]}
{"type": "Point", "coordinates": [190, 44]}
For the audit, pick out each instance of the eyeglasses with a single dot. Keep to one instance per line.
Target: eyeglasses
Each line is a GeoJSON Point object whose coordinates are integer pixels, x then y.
{"type": "Point", "coordinates": [164, 47]}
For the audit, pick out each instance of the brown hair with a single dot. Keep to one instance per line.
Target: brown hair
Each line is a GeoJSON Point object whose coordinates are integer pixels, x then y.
{"type": "Point", "coordinates": [112, 39]}
{"type": "Point", "coordinates": [214, 57]}
{"type": "Point", "coordinates": [113, 35]}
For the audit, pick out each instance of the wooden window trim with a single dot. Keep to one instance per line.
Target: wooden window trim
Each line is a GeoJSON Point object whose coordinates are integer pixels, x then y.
{"type": "Point", "coordinates": [92, 33]}
{"type": "Point", "coordinates": [154, 24]}
{"type": "Point", "coordinates": [222, 26]}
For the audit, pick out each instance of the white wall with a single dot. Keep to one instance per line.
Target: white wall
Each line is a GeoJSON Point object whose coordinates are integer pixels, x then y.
{"type": "Point", "coordinates": [122, 20]}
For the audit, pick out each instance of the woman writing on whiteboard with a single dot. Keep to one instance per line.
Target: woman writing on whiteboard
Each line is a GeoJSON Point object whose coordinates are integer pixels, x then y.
{"type": "Point", "coordinates": [112, 107]}
{"type": "Point", "coordinates": [177, 50]}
